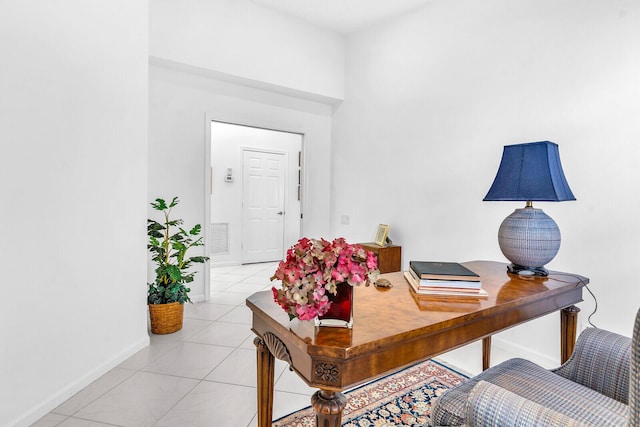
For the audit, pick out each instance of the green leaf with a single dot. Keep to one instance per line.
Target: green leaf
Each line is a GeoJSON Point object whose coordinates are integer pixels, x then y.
{"type": "Point", "coordinates": [178, 237]}
{"type": "Point", "coordinates": [154, 226]}
{"type": "Point", "coordinates": [159, 205]}
{"type": "Point", "coordinates": [174, 272]}
{"type": "Point", "coordinates": [178, 246]}
{"type": "Point", "coordinates": [156, 234]}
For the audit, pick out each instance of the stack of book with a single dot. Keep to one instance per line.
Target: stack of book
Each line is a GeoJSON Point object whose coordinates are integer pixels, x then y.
{"type": "Point", "coordinates": [443, 279]}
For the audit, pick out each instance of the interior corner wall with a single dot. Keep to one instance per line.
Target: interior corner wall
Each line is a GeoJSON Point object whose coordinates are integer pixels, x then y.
{"type": "Point", "coordinates": [181, 105]}
{"type": "Point", "coordinates": [73, 125]}
{"type": "Point", "coordinates": [434, 96]}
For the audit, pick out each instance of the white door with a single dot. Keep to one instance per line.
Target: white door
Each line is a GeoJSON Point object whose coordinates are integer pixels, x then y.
{"type": "Point", "coordinates": [263, 206]}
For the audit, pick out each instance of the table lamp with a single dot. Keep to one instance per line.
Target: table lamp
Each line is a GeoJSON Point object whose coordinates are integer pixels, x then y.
{"type": "Point", "coordinates": [529, 172]}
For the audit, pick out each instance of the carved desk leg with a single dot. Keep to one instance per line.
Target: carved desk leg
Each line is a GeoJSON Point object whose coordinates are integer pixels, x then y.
{"type": "Point", "coordinates": [266, 363]}
{"type": "Point", "coordinates": [486, 352]}
{"type": "Point", "coordinates": [328, 406]}
{"type": "Point", "coordinates": [268, 348]}
{"type": "Point", "coordinates": [568, 329]}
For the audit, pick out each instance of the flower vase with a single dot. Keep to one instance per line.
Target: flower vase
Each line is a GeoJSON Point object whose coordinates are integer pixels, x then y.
{"type": "Point", "coordinates": [340, 314]}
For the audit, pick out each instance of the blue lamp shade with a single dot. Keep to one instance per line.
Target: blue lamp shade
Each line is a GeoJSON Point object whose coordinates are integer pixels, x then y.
{"type": "Point", "coordinates": [529, 238]}
{"type": "Point", "coordinates": [530, 172]}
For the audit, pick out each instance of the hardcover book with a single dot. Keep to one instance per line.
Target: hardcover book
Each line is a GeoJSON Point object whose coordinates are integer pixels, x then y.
{"type": "Point", "coordinates": [443, 271]}
{"type": "Point", "coordinates": [444, 292]}
{"type": "Point", "coordinates": [447, 284]}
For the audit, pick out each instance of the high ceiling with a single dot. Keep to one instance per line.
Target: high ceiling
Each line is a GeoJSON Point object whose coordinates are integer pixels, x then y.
{"type": "Point", "coordinates": [343, 16]}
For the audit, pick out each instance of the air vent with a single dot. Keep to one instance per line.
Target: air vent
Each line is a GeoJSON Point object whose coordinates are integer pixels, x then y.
{"type": "Point", "coordinates": [220, 238]}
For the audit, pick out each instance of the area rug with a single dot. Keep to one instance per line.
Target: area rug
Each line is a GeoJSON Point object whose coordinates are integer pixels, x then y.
{"type": "Point", "coordinates": [400, 399]}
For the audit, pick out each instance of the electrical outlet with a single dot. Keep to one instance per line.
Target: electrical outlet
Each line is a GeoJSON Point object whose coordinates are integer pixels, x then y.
{"type": "Point", "coordinates": [344, 219]}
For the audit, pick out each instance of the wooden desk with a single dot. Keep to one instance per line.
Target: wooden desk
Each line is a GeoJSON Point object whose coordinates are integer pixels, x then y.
{"type": "Point", "coordinates": [392, 330]}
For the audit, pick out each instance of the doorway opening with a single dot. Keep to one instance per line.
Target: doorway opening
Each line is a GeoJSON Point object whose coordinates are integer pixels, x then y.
{"type": "Point", "coordinates": [255, 193]}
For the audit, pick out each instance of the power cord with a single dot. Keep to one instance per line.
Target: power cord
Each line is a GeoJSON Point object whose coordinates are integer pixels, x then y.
{"type": "Point", "coordinates": [586, 286]}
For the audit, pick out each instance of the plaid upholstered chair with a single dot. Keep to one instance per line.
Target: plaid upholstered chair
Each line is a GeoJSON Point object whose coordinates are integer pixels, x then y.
{"type": "Point", "coordinates": [597, 386]}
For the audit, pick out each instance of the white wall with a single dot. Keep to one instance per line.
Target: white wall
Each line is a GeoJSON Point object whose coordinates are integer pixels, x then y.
{"type": "Point", "coordinates": [181, 105]}
{"type": "Point", "coordinates": [243, 41]}
{"type": "Point", "coordinates": [433, 97]}
{"type": "Point", "coordinates": [73, 126]}
{"type": "Point", "coordinates": [228, 143]}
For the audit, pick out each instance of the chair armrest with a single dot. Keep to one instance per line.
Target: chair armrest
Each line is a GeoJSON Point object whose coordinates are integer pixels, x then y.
{"type": "Point", "coordinates": [490, 405]}
{"type": "Point", "coordinates": [600, 361]}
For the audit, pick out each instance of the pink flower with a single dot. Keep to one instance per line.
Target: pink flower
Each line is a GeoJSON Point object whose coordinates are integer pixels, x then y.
{"type": "Point", "coordinates": [290, 274]}
{"type": "Point", "coordinates": [337, 275]}
{"type": "Point", "coordinates": [372, 261]}
{"type": "Point", "coordinates": [306, 312]}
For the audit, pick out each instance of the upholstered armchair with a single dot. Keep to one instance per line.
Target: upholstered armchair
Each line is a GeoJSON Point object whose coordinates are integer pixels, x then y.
{"type": "Point", "coordinates": [597, 386]}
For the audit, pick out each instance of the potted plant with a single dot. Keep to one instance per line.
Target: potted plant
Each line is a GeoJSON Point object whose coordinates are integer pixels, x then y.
{"type": "Point", "coordinates": [169, 244]}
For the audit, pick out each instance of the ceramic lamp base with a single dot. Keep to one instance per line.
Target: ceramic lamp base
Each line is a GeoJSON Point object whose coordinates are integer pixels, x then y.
{"type": "Point", "coordinates": [529, 238]}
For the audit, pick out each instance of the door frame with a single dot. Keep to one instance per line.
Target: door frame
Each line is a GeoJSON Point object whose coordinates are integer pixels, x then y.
{"type": "Point", "coordinates": [206, 229]}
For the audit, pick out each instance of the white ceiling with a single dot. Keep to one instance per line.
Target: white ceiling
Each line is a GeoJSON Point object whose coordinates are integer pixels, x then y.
{"type": "Point", "coordinates": [343, 16]}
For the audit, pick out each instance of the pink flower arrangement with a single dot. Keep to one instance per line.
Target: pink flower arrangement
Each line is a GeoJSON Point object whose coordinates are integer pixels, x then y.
{"type": "Point", "coordinates": [313, 268]}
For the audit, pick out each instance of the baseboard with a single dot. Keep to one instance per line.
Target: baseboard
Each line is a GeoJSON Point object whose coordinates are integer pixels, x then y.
{"type": "Point", "coordinates": [468, 358]}
{"type": "Point", "coordinates": [224, 264]}
{"type": "Point", "coordinates": [62, 395]}
{"type": "Point", "coordinates": [196, 298]}
{"type": "Point", "coordinates": [541, 359]}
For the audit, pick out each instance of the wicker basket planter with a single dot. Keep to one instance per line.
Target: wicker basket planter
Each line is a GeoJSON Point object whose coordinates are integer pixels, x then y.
{"type": "Point", "coordinates": [166, 318]}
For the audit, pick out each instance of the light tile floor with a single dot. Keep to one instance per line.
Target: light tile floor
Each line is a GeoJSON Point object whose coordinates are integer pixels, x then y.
{"type": "Point", "coordinates": [203, 375]}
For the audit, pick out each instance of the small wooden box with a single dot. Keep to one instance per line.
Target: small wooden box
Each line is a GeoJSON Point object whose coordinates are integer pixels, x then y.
{"type": "Point", "coordinates": [389, 256]}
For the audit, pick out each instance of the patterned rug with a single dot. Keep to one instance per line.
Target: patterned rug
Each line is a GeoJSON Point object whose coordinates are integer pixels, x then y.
{"type": "Point", "coordinates": [400, 399]}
